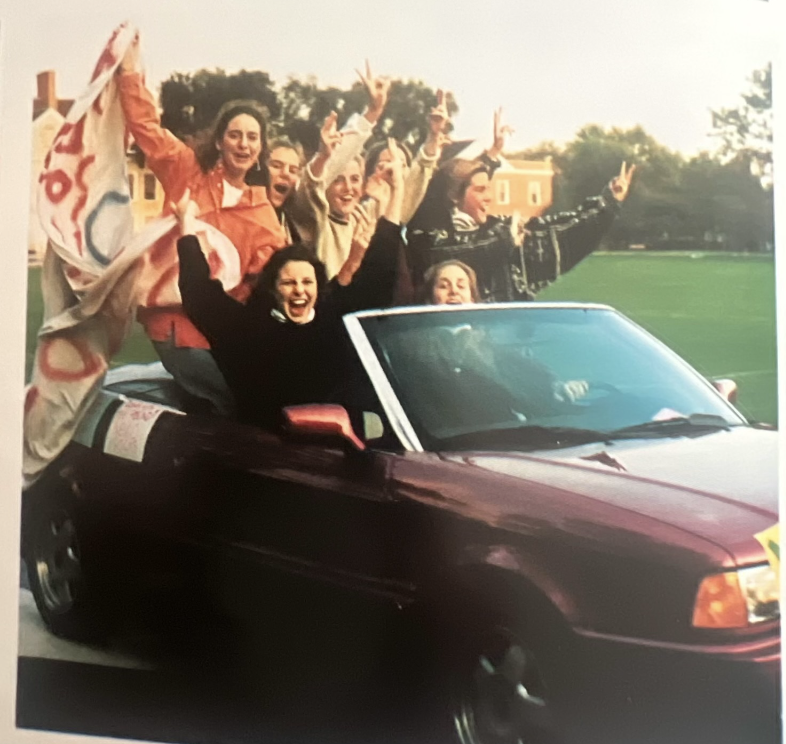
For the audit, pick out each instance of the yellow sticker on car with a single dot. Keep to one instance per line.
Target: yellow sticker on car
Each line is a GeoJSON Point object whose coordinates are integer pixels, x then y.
{"type": "Point", "coordinates": [770, 540]}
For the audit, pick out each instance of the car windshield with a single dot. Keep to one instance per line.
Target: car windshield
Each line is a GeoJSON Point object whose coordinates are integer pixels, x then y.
{"type": "Point", "coordinates": [529, 377]}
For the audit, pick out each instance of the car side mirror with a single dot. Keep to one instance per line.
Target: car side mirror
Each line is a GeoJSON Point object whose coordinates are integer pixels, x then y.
{"type": "Point", "coordinates": [320, 419]}
{"type": "Point", "coordinates": [727, 388]}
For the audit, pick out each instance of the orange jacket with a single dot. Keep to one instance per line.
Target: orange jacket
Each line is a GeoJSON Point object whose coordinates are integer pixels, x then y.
{"type": "Point", "coordinates": [251, 225]}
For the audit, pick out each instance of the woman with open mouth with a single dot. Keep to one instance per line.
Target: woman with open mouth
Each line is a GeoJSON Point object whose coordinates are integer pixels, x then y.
{"type": "Point", "coordinates": [224, 178]}
{"type": "Point", "coordinates": [286, 345]}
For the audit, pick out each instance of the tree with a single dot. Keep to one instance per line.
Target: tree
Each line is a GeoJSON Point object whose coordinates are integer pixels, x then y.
{"type": "Point", "coordinates": [190, 101]}
{"type": "Point", "coordinates": [587, 163]}
{"type": "Point", "coordinates": [305, 106]}
{"type": "Point", "coordinates": [745, 132]}
{"type": "Point", "coordinates": [726, 205]}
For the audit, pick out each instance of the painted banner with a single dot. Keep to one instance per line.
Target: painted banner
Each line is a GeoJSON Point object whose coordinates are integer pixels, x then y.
{"type": "Point", "coordinates": [94, 268]}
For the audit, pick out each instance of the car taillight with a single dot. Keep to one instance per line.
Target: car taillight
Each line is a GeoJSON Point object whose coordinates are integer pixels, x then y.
{"type": "Point", "coordinates": [736, 599]}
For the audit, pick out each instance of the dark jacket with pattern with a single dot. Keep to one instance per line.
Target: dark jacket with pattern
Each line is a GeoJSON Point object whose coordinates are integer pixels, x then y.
{"type": "Point", "coordinates": [508, 268]}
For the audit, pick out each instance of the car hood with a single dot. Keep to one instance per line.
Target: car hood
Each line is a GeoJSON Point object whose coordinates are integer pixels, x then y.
{"type": "Point", "coordinates": [721, 486]}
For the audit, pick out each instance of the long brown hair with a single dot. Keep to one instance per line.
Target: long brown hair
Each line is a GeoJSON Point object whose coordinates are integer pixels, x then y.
{"type": "Point", "coordinates": [207, 153]}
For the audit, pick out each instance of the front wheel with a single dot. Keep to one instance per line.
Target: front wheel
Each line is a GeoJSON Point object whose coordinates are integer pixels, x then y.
{"type": "Point", "coordinates": [505, 688]}
{"type": "Point", "coordinates": [63, 586]}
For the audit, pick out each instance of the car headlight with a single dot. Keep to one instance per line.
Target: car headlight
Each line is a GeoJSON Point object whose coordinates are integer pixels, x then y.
{"type": "Point", "coordinates": [736, 599]}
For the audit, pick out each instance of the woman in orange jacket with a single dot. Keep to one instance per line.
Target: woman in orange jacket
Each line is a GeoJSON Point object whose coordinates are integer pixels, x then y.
{"type": "Point", "coordinates": [221, 179]}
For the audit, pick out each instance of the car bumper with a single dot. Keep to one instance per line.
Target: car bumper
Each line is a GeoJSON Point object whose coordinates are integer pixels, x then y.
{"type": "Point", "coordinates": [691, 692]}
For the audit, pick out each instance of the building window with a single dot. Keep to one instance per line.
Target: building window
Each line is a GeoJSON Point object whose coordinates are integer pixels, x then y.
{"type": "Point", "coordinates": [503, 192]}
{"type": "Point", "coordinates": [535, 198]}
{"type": "Point", "coordinates": [150, 186]}
{"type": "Point", "coordinates": [131, 186]}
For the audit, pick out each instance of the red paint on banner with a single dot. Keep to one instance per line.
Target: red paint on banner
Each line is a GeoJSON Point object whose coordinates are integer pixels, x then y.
{"type": "Point", "coordinates": [31, 397]}
{"type": "Point", "coordinates": [80, 182]}
{"type": "Point", "coordinates": [108, 57]}
{"type": "Point", "coordinates": [90, 362]}
{"type": "Point", "coordinates": [72, 272]}
{"type": "Point", "coordinates": [56, 185]}
{"type": "Point", "coordinates": [69, 139]}
{"type": "Point", "coordinates": [98, 105]}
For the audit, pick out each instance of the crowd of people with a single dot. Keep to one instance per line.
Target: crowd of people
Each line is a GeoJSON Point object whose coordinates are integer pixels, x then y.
{"type": "Point", "coordinates": [345, 231]}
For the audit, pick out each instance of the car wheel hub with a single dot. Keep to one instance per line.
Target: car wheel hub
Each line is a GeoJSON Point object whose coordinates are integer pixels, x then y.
{"type": "Point", "coordinates": [57, 563]}
{"type": "Point", "coordinates": [504, 701]}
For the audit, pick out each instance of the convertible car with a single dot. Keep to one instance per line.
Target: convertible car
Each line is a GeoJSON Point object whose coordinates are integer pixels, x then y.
{"type": "Point", "coordinates": [579, 519]}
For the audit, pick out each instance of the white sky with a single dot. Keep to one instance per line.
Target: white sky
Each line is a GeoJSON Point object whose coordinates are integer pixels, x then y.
{"type": "Point", "coordinates": [554, 66]}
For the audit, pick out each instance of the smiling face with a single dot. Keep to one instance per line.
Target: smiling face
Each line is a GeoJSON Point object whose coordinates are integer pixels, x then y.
{"type": "Point", "coordinates": [296, 290]}
{"type": "Point", "coordinates": [240, 146]}
{"type": "Point", "coordinates": [477, 198]}
{"type": "Point", "coordinates": [283, 164]}
{"type": "Point", "coordinates": [452, 286]}
{"type": "Point", "coordinates": [344, 193]}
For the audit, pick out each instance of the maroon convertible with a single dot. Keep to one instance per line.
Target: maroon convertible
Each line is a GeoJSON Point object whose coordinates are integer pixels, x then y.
{"type": "Point", "coordinates": [568, 507]}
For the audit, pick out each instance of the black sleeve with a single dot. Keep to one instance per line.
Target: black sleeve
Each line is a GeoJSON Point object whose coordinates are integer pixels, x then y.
{"type": "Point", "coordinates": [375, 280]}
{"type": "Point", "coordinates": [206, 304]}
{"type": "Point", "coordinates": [574, 234]}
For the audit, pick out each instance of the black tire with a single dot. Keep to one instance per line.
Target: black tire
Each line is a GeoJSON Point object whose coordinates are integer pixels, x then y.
{"type": "Point", "coordinates": [57, 555]}
{"type": "Point", "coordinates": [508, 680]}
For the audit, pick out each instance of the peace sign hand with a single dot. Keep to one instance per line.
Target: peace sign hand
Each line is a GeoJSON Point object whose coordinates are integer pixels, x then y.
{"type": "Point", "coordinates": [329, 136]}
{"type": "Point", "coordinates": [377, 89]}
{"type": "Point", "coordinates": [620, 185]}
{"type": "Point", "coordinates": [438, 120]}
{"type": "Point", "coordinates": [501, 133]}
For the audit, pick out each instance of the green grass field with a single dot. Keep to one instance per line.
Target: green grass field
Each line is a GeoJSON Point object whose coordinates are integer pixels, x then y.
{"type": "Point", "coordinates": [716, 310]}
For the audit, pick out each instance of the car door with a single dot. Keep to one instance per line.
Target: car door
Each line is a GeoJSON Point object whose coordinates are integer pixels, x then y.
{"type": "Point", "coordinates": [315, 510]}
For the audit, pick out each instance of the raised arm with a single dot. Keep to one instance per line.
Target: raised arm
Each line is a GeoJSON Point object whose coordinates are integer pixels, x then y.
{"type": "Point", "coordinates": [355, 133]}
{"type": "Point", "coordinates": [425, 162]}
{"type": "Point", "coordinates": [206, 303]}
{"type": "Point", "coordinates": [165, 154]}
{"type": "Point", "coordinates": [579, 232]}
{"type": "Point", "coordinates": [374, 281]}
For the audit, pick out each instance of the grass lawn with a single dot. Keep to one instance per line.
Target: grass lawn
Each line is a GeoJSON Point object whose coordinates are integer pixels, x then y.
{"type": "Point", "coordinates": [716, 310]}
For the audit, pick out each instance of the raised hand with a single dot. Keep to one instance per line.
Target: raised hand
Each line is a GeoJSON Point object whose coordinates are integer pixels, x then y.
{"type": "Point", "coordinates": [438, 120]}
{"type": "Point", "coordinates": [377, 89]}
{"type": "Point", "coordinates": [501, 133]}
{"type": "Point", "coordinates": [329, 136]}
{"type": "Point", "coordinates": [392, 171]}
{"type": "Point", "coordinates": [186, 212]}
{"type": "Point", "coordinates": [362, 232]}
{"type": "Point", "coordinates": [377, 188]}
{"type": "Point", "coordinates": [131, 61]}
{"type": "Point", "coordinates": [620, 185]}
